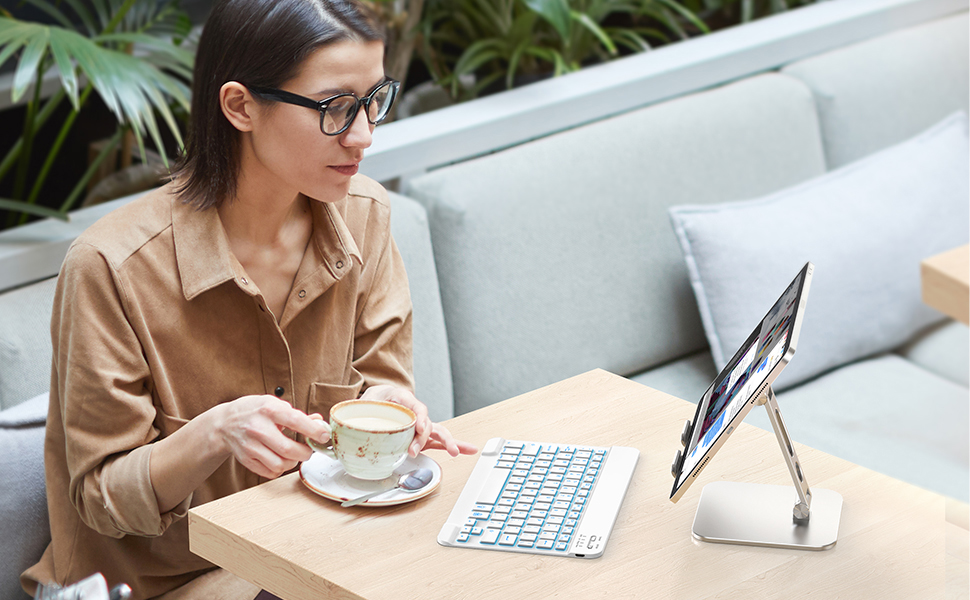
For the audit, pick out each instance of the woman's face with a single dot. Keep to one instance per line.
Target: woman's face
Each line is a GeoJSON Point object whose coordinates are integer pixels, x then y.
{"type": "Point", "coordinates": [290, 151]}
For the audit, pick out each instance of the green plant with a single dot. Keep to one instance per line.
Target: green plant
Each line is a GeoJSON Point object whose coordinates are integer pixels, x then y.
{"type": "Point", "coordinates": [505, 39]}
{"type": "Point", "coordinates": [724, 13]}
{"type": "Point", "coordinates": [128, 51]}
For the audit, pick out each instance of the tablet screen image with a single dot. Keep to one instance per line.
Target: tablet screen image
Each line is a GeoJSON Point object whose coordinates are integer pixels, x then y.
{"type": "Point", "coordinates": [746, 376]}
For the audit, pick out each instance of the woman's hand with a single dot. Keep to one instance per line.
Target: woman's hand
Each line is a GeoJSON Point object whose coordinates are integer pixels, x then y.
{"type": "Point", "coordinates": [252, 427]}
{"type": "Point", "coordinates": [427, 435]}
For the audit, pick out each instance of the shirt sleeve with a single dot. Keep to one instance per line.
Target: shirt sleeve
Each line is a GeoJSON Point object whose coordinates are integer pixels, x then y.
{"type": "Point", "coordinates": [383, 351]}
{"type": "Point", "coordinates": [103, 386]}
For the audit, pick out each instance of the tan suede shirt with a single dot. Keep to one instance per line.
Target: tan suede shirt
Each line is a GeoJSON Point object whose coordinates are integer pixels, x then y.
{"type": "Point", "coordinates": [155, 322]}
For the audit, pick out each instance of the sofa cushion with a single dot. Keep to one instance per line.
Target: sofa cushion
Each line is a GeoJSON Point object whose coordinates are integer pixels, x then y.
{"type": "Point", "coordinates": [886, 414]}
{"type": "Point", "coordinates": [25, 341]}
{"type": "Point", "coordinates": [884, 90]}
{"type": "Point", "coordinates": [555, 256]}
{"type": "Point", "coordinates": [432, 368]}
{"type": "Point", "coordinates": [866, 227]}
{"type": "Point", "coordinates": [944, 349]}
{"type": "Point", "coordinates": [24, 528]}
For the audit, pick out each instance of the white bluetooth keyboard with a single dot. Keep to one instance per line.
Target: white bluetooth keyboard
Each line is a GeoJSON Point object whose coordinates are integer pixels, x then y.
{"type": "Point", "coordinates": [541, 498]}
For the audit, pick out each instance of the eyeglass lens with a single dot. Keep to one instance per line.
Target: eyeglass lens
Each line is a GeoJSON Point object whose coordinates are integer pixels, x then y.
{"type": "Point", "coordinates": [342, 110]}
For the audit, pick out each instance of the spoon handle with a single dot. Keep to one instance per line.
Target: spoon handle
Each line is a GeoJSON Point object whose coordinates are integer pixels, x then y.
{"type": "Point", "coordinates": [366, 497]}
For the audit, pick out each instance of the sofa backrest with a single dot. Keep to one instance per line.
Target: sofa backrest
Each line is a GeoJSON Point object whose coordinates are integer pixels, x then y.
{"type": "Point", "coordinates": [25, 342]}
{"type": "Point", "coordinates": [557, 256]}
{"type": "Point", "coordinates": [885, 90]}
{"type": "Point", "coordinates": [432, 367]}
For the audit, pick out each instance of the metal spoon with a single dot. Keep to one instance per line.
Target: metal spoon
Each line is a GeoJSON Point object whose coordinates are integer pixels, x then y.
{"type": "Point", "coordinates": [411, 482]}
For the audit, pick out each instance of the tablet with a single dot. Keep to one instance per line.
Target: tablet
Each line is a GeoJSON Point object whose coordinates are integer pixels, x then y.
{"type": "Point", "coordinates": [736, 389]}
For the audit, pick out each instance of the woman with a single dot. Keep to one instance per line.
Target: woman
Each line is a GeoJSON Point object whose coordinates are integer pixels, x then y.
{"type": "Point", "coordinates": [196, 329]}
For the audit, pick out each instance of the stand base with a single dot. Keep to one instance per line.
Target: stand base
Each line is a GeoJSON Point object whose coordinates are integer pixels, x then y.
{"type": "Point", "coordinates": [761, 515]}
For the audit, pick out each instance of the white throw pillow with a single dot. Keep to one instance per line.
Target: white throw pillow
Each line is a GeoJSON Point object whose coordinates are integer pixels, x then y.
{"type": "Point", "coordinates": [866, 226]}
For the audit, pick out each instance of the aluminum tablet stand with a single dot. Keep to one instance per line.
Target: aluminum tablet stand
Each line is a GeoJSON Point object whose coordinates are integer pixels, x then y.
{"type": "Point", "coordinates": [762, 515]}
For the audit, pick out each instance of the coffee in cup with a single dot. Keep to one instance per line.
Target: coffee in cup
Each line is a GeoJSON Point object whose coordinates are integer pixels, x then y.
{"type": "Point", "coordinates": [370, 438]}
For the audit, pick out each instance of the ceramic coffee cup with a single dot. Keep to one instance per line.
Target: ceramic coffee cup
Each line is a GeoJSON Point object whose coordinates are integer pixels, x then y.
{"type": "Point", "coordinates": [369, 438]}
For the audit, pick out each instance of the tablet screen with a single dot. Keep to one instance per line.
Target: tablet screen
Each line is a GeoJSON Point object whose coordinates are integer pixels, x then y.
{"type": "Point", "coordinates": [734, 391]}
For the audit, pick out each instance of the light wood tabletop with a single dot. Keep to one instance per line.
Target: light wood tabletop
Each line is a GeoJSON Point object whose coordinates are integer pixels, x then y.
{"type": "Point", "coordinates": [946, 283]}
{"type": "Point", "coordinates": [895, 540]}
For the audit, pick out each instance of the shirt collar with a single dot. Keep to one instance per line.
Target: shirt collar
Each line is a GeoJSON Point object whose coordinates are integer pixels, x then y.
{"type": "Point", "coordinates": [205, 259]}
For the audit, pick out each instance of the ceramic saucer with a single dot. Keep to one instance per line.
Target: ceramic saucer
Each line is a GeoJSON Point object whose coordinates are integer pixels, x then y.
{"type": "Point", "coordinates": [326, 476]}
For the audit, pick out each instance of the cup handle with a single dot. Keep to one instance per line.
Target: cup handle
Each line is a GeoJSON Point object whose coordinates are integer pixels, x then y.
{"type": "Point", "coordinates": [317, 447]}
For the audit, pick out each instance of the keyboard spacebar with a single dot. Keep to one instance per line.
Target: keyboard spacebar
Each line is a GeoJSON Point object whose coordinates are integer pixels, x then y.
{"type": "Point", "coordinates": [492, 486]}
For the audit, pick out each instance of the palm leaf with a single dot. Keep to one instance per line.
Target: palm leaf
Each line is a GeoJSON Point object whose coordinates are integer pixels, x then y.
{"type": "Point", "coordinates": [181, 55]}
{"type": "Point", "coordinates": [33, 53]}
{"type": "Point", "coordinates": [65, 68]}
{"type": "Point", "coordinates": [33, 209]}
{"type": "Point", "coordinates": [129, 87]}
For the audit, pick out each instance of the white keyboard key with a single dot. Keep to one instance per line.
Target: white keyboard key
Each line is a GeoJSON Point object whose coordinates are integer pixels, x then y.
{"type": "Point", "coordinates": [507, 540]}
{"type": "Point", "coordinates": [493, 486]}
{"type": "Point", "coordinates": [545, 544]}
{"type": "Point", "coordinates": [490, 536]}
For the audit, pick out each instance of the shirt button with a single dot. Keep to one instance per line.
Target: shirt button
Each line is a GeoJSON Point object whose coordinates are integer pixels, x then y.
{"type": "Point", "coordinates": [279, 391]}
{"type": "Point", "coordinates": [340, 264]}
{"type": "Point", "coordinates": [245, 281]}
{"type": "Point", "coordinates": [302, 294]}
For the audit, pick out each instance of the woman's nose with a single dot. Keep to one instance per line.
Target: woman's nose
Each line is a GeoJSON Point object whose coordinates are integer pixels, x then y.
{"type": "Point", "coordinates": [360, 132]}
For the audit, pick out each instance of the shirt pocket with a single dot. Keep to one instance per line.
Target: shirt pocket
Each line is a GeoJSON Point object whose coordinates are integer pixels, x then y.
{"type": "Point", "coordinates": [324, 395]}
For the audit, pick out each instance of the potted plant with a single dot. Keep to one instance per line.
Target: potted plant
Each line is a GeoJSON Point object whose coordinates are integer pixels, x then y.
{"type": "Point", "coordinates": [500, 41]}
{"type": "Point", "coordinates": [128, 51]}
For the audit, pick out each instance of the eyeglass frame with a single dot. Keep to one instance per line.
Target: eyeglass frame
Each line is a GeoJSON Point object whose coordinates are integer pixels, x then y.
{"type": "Point", "coordinates": [322, 105]}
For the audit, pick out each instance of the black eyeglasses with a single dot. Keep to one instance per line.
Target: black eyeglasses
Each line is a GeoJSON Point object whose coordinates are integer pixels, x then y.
{"type": "Point", "coordinates": [338, 112]}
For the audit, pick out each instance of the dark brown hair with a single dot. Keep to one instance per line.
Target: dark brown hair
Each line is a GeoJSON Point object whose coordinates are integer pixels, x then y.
{"type": "Point", "coordinates": [260, 43]}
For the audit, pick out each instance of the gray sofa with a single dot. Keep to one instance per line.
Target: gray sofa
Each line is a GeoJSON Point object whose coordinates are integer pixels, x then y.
{"type": "Point", "coordinates": [592, 248]}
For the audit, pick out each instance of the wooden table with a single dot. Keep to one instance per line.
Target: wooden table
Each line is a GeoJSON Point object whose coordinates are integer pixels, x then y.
{"type": "Point", "coordinates": [946, 283]}
{"type": "Point", "coordinates": [895, 540]}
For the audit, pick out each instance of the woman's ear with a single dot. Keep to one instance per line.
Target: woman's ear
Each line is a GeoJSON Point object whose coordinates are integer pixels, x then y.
{"type": "Point", "coordinates": [237, 104]}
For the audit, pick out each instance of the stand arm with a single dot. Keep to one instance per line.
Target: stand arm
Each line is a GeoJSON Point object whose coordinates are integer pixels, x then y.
{"type": "Point", "coordinates": [802, 509]}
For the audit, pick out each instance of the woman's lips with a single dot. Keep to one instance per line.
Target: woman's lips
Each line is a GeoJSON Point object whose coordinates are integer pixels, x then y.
{"type": "Point", "coordinates": [348, 170]}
